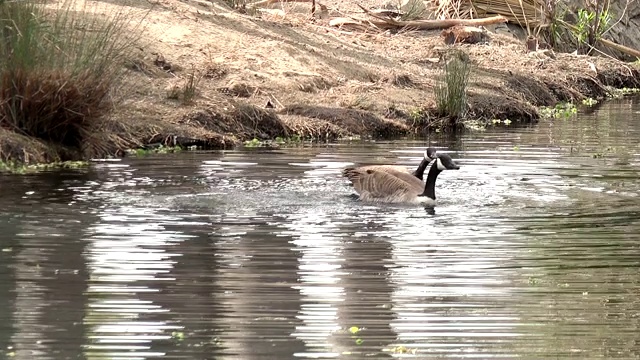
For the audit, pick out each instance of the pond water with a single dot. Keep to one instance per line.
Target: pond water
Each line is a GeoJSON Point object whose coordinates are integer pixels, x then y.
{"type": "Point", "coordinates": [532, 252]}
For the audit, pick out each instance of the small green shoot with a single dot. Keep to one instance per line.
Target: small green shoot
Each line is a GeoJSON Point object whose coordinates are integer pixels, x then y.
{"type": "Point", "coordinates": [591, 26]}
{"type": "Point", "coordinates": [417, 115]}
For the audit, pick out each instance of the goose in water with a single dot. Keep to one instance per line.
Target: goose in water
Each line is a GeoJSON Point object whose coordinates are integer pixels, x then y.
{"type": "Point", "coordinates": [396, 186]}
{"type": "Point", "coordinates": [429, 155]}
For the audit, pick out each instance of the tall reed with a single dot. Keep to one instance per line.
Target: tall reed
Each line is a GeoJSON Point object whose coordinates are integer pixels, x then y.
{"type": "Point", "coordinates": [451, 88]}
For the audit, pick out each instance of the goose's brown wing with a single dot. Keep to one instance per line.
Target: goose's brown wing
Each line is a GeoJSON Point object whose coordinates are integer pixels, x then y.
{"type": "Point", "coordinates": [392, 169]}
{"type": "Point", "coordinates": [383, 184]}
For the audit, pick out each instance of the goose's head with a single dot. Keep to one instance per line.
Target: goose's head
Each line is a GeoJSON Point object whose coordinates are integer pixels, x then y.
{"type": "Point", "coordinates": [430, 154]}
{"type": "Point", "coordinates": [432, 159]}
{"type": "Point", "coordinates": [445, 162]}
{"type": "Point", "coordinates": [439, 164]}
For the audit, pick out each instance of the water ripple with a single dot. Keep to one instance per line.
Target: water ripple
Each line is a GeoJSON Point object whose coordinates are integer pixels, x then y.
{"type": "Point", "coordinates": [531, 252]}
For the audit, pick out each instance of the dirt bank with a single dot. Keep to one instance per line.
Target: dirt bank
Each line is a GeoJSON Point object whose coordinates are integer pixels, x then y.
{"type": "Point", "coordinates": [273, 76]}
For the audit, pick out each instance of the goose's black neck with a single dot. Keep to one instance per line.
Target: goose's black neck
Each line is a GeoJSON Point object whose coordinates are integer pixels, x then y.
{"type": "Point", "coordinates": [419, 173]}
{"type": "Point", "coordinates": [430, 184]}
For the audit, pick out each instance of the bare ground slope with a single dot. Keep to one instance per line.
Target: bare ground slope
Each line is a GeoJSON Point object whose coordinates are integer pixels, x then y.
{"type": "Point", "coordinates": [322, 82]}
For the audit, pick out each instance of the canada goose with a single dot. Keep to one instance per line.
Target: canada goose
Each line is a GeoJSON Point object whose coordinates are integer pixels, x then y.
{"type": "Point", "coordinates": [429, 154]}
{"type": "Point", "coordinates": [395, 186]}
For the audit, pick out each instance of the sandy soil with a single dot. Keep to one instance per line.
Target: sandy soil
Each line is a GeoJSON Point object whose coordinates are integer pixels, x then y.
{"type": "Point", "coordinates": [322, 81]}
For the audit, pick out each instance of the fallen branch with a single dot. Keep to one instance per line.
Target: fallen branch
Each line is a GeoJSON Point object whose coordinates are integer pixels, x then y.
{"type": "Point", "coordinates": [621, 48]}
{"type": "Point", "coordinates": [387, 23]}
{"type": "Point", "coordinates": [351, 23]}
{"type": "Point", "coordinates": [269, 2]}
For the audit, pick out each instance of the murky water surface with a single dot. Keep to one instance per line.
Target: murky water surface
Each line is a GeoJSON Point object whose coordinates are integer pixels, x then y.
{"type": "Point", "coordinates": [533, 252]}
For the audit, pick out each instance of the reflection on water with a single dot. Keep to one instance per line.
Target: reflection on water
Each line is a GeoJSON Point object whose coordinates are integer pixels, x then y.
{"type": "Point", "coordinates": [262, 254]}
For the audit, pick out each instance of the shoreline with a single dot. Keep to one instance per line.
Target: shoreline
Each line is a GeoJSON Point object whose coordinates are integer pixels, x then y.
{"type": "Point", "coordinates": [175, 144]}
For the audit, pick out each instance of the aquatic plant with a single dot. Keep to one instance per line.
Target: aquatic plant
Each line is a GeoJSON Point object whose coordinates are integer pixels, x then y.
{"type": "Point", "coordinates": [253, 143]}
{"type": "Point", "coordinates": [617, 93]}
{"type": "Point", "coordinates": [451, 89]}
{"type": "Point", "coordinates": [21, 168]}
{"type": "Point", "coordinates": [278, 141]}
{"type": "Point", "coordinates": [160, 149]}
{"type": "Point", "coordinates": [291, 140]}
{"type": "Point", "coordinates": [475, 125]}
{"type": "Point", "coordinates": [560, 110]}
{"type": "Point", "coordinates": [401, 349]}
{"type": "Point", "coordinates": [177, 335]}
{"type": "Point", "coordinates": [498, 121]}
{"type": "Point", "coordinates": [59, 67]}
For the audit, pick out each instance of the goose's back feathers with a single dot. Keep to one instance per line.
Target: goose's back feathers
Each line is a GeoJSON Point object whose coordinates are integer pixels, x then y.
{"type": "Point", "coordinates": [386, 168]}
{"type": "Point", "coordinates": [386, 184]}
{"type": "Point", "coordinates": [429, 155]}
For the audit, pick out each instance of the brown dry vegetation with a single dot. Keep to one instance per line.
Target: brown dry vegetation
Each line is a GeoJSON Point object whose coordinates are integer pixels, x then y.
{"type": "Point", "coordinates": [203, 73]}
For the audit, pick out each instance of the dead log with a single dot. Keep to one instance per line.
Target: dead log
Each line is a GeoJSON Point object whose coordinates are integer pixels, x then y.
{"type": "Point", "coordinates": [464, 34]}
{"type": "Point", "coordinates": [386, 23]}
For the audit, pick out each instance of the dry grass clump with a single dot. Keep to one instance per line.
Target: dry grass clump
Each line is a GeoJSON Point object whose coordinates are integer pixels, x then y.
{"type": "Point", "coordinates": [59, 68]}
{"type": "Point", "coordinates": [48, 106]}
{"type": "Point", "coordinates": [353, 121]}
{"type": "Point", "coordinates": [188, 92]}
{"type": "Point", "coordinates": [318, 129]}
